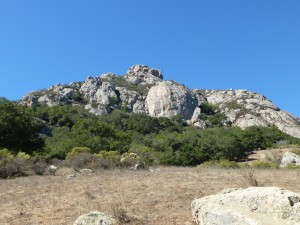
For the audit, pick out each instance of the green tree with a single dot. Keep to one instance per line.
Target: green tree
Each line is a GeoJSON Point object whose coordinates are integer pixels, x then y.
{"type": "Point", "coordinates": [19, 131]}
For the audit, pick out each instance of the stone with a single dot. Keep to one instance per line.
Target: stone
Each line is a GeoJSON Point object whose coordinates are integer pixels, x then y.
{"type": "Point", "coordinates": [71, 176]}
{"type": "Point", "coordinates": [141, 74]}
{"type": "Point", "coordinates": [133, 101]}
{"type": "Point", "coordinates": [90, 87]}
{"type": "Point", "coordinates": [245, 108]}
{"type": "Point", "coordinates": [169, 98]}
{"type": "Point", "coordinates": [290, 158]}
{"type": "Point", "coordinates": [108, 76]}
{"type": "Point", "coordinates": [101, 95]}
{"type": "Point", "coordinates": [250, 206]}
{"type": "Point", "coordinates": [85, 171]}
{"type": "Point", "coordinates": [52, 169]}
{"type": "Point", "coordinates": [95, 218]}
{"type": "Point", "coordinates": [48, 100]}
{"type": "Point", "coordinates": [30, 99]}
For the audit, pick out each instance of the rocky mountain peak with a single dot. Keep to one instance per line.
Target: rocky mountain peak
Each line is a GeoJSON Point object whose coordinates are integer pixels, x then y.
{"type": "Point", "coordinates": [141, 74]}
{"type": "Point", "coordinates": [142, 90]}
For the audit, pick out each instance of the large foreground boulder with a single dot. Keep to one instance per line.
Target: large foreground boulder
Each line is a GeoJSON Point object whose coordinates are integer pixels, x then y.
{"type": "Point", "coordinates": [251, 206]}
{"type": "Point", "coordinates": [95, 218]}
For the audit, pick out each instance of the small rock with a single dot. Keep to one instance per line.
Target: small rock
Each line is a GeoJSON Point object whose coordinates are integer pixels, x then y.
{"type": "Point", "coordinates": [71, 176]}
{"type": "Point", "coordinates": [85, 171]}
{"type": "Point", "coordinates": [52, 169]}
{"type": "Point", "coordinates": [95, 218]}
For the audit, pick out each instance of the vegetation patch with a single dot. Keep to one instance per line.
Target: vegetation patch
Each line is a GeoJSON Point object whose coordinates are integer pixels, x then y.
{"type": "Point", "coordinates": [37, 134]}
{"type": "Point", "coordinates": [120, 81]}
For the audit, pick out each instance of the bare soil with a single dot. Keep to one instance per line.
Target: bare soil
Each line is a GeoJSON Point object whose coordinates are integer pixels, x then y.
{"type": "Point", "coordinates": [162, 196]}
{"type": "Point", "coordinates": [268, 154]}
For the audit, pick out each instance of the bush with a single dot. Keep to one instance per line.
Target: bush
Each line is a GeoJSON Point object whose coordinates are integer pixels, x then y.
{"type": "Point", "coordinates": [112, 158]}
{"type": "Point", "coordinates": [130, 160]}
{"type": "Point", "coordinates": [263, 165]}
{"type": "Point", "coordinates": [23, 155]}
{"type": "Point", "coordinates": [13, 167]}
{"type": "Point", "coordinates": [146, 154]}
{"type": "Point", "coordinates": [86, 160]}
{"type": "Point", "coordinates": [77, 150]}
{"type": "Point", "coordinates": [249, 177]}
{"type": "Point", "coordinates": [5, 153]}
{"type": "Point", "coordinates": [223, 163]}
{"type": "Point", "coordinates": [39, 166]}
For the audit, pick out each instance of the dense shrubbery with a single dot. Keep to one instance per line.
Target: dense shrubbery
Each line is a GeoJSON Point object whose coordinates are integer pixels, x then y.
{"type": "Point", "coordinates": [66, 130]}
{"type": "Point", "coordinates": [211, 115]}
{"type": "Point", "coordinates": [19, 130]}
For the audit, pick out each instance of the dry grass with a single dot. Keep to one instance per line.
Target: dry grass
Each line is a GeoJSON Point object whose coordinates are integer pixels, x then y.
{"type": "Point", "coordinates": [138, 197]}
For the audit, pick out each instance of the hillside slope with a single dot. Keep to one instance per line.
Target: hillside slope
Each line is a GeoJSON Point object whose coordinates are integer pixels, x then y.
{"type": "Point", "coordinates": [143, 90]}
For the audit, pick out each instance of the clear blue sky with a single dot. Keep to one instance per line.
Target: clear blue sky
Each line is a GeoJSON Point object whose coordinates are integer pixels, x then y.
{"type": "Point", "coordinates": [253, 45]}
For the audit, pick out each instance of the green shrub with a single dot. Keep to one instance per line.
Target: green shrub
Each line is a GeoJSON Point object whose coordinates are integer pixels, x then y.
{"type": "Point", "coordinates": [130, 160]}
{"type": "Point", "coordinates": [77, 150]}
{"type": "Point", "coordinates": [223, 163]}
{"type": "Point", "coordinates": [112, 158]}
{"type": "Point", "coordinates": [146, 154]}
{"type": "Point", "coordinates": [23, 155]}
{"type": "Point", "coordinates": [5, 153]}
{"type": "Point", "coordinates": [264, 164]}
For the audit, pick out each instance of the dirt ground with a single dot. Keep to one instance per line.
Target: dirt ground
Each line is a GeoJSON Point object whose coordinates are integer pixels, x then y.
{"type": "Point", "coordinates": [162, 196]}
{"type": "Point", "coordinates": [264, 155]}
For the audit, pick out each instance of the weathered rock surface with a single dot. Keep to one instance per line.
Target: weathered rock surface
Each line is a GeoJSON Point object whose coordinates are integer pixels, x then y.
{"type": "Point", "coordinates": [132, 100]}
{"type": "Point", "coordinates": [245, 108]}
{"type": "Point", "coordinates": [290, 158]}
{"type": "Point", "coordinates": [141, 74]}
{"type": "Point", "coordinates": [95, 218]}
{"type": "Point", "coordinates": [169, 98]}
{"type": "Point", "coordinates": [142, 90]}
{"type": "Point", "coordinates": [251, 206]}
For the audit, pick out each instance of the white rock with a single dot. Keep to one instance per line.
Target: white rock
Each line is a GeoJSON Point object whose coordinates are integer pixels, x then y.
{"type": "Point", "coordinates": [85, 171]}
{"type": "Point", "coordinates": [169, 98]}
{"type": "Point", "coordinates": [141, 74]}
{"type": "Point", "coordinates": [95, 218]}
{"type": "Point", "coordinates": [251, 206]}
{"type": "Point", "coordinates": [260, 111]}
{"type": "Point", "coordinates": [290, 158]}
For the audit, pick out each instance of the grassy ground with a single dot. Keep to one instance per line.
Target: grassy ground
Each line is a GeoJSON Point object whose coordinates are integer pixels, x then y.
{"type": "Point", "coordinates": [159, 197]}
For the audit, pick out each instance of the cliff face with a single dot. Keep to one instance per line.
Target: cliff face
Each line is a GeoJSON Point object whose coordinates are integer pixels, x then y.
{"type": "Point", "coordinates": [142, 90]}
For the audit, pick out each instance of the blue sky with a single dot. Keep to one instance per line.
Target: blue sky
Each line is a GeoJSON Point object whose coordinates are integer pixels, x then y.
{"type": "Point", "coordinates": [253, 45]}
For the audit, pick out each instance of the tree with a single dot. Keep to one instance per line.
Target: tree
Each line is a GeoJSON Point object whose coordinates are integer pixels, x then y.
{"type": "Point", "coordinates": [19, 131]}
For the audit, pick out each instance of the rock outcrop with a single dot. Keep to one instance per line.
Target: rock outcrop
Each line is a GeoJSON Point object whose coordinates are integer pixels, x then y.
{"type": "Point", "coordinates": [95, 218]}
{"type": "Point", "coordinates": [169, 98]}
{"type": "Point", "coordinates": [245, 108]}
{"type": "Point", "coordinates": [142, 90]}
{"type": "Point", "coordinates": [251, 206]}
{"type": "Point", "coordinates": [141, 74]}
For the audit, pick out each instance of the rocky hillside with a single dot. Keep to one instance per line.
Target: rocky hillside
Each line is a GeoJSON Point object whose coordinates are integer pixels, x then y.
{"type": "Point", "coordinates": [143, 90]}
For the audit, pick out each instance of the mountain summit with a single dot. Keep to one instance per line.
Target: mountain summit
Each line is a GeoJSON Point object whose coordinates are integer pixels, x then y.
{"type": "Point", "coordinates": [143, 90]}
